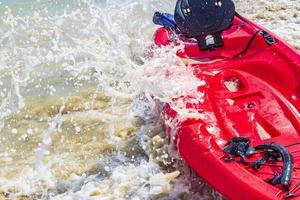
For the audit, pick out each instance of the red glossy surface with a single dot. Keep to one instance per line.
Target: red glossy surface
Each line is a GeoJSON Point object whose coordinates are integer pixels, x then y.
{"type": "Point", "coordinates": [263, 105]}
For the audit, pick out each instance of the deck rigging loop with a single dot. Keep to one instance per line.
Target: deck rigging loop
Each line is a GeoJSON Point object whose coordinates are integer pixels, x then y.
{"type": "Point", "coordinates": [240, 147]}
{"type": "Point", "coordinates": [291, 193]}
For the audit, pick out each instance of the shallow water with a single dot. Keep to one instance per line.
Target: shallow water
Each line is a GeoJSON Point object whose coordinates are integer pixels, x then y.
{"type": "Point", "coordinates": [79, 111]}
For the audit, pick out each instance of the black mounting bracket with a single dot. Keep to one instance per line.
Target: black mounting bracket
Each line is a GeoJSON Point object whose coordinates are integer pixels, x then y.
{"type": "Point", "coordinates": [210, 42]}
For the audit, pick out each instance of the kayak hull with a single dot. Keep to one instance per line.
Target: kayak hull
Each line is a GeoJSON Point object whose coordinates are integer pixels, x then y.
{"type": "Point", "coordinates": [253, 93]}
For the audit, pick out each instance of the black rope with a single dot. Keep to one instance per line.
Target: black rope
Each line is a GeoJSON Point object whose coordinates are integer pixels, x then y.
{"type": "Point", "coordinates": [248, 44]}
{"type": "Point", "coordinates": [251, 39]}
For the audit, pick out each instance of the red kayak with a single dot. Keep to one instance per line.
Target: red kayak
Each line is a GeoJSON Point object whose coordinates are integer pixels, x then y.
{"type": "Point", "coordinates": [248, 144]}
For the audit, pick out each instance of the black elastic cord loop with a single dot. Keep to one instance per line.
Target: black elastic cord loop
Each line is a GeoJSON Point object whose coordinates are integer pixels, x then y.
{"type": "Point", "coordinates": [248, 44]}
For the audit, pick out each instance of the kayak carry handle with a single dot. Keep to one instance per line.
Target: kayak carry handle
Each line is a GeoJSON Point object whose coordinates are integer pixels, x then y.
{"type": "Point", "coordinates": [286, 175]}
{"type": "Point", "coordinates": [240, 147]}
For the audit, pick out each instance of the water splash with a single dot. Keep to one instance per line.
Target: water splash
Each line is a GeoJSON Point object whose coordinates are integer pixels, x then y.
{"type": "Point", "coordinates": [93, 58]}
{"type": "Point", "coordinates": [105, 140]}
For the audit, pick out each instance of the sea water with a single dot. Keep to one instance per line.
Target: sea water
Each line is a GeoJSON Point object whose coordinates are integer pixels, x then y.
{"type": "Point", "coordinates": [80, 98]}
